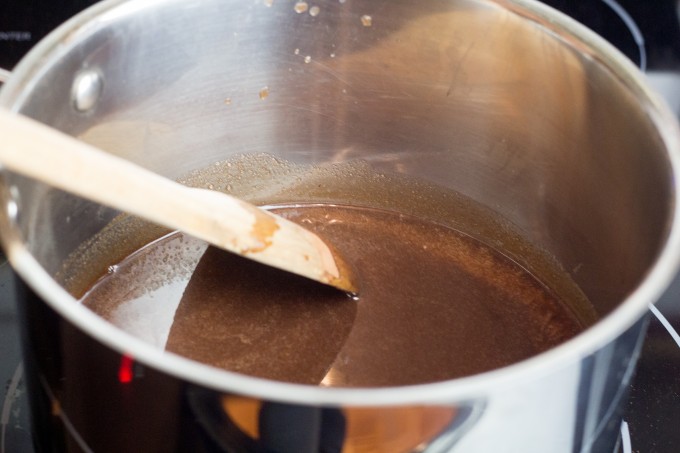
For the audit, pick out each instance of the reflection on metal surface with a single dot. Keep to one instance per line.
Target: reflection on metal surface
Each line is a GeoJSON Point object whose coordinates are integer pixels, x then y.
{"type": "Point", "coordinates": [4, 75]}
{"type": "Point", "coordinates": [367, 429]}
{"type": "Point", "coordinates": [87, 88]}
{"type": "Point", "coordinates": [12, 393]}
{"type": "Point", "coordinates": [330, 378]}
{"type": "Point", "coordinates": [607, 378]}
{"type": "Point", "coordinates": [58, 413]}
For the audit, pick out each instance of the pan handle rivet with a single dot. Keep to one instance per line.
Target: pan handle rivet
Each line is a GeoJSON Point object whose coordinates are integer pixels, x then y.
{"type": "Point", "coordinates": [87, 88]}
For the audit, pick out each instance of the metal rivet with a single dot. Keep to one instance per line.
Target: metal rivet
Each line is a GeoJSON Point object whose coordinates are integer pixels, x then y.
{"type": "Point", "coordinates": [87, 88]}
{"type": "Point", "coordinates": [12, 203]}
{"type": "Point", "coordinates": [12, 210]}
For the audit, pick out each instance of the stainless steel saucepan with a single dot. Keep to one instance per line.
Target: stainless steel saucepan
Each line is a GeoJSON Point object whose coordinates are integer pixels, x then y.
{"type": "Point", "coordinates": [505, 101]}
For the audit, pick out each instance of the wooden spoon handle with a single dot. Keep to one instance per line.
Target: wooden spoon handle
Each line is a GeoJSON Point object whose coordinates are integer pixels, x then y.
{"type": "Point", "coordinates": [43, 153]}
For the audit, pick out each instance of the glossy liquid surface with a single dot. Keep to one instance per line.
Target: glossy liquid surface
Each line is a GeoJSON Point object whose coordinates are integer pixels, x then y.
{"type": "Point", "coordinates": [434, 305]}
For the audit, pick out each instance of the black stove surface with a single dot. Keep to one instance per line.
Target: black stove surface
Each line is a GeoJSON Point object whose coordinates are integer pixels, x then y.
{"type": "Point", "coordinates": [15, 436]}
{"type": "Point", "coordinates": [653, 413]}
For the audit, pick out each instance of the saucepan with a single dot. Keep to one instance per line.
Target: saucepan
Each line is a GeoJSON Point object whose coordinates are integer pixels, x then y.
{"type": "Point", "coordinates": [506, 102]}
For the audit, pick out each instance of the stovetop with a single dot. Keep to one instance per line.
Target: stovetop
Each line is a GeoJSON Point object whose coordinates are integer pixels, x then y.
{"type": "Point", "coordinates": [15, 434]}
{"type": "Point", "coordinates": [648, 32]}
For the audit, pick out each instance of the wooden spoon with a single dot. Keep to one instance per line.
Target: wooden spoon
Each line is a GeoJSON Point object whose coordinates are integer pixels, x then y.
{"type": "Point", "coordinates": [43, 153]}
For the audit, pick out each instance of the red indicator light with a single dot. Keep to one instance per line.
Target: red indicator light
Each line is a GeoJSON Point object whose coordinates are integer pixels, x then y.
{"type": "Point", "coordinates": [125, 371]}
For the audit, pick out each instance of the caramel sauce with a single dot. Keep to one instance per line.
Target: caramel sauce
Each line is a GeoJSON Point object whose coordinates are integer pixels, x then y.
{"type": "Point", "coordinates": [435, 304]}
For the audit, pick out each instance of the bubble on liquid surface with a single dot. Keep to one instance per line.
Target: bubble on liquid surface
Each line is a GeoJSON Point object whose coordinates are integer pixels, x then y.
{"type": "Point", "coordinates": [308, 59]}
{"type": "Point", "coordinates": [314, 11]}
{"type": "Point", "coordinates": [366, 20]}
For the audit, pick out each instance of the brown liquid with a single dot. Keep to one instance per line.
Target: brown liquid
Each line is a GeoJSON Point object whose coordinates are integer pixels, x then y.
{"type": "Point", "coordinates": [434, 304]}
